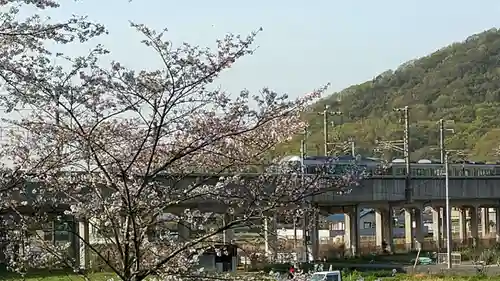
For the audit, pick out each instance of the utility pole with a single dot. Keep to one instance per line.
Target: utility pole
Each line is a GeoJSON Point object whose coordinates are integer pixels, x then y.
{"type": "Point", "coordinates": [441, 140]}
{"type": "Point", "coordinates": [400, 145]}
{"type": "Point", "coordinates": [444, 160]}
{"type": "Point", "coordinates": [406, 149]}
{"type": "Point", "coordinates": [406, 136]}
{"type": "Point", "coordinates": [442, 136]}
{"type": "Point", "coordinates": [327, 113]}
{"type": "Point", "coordinates": [448, 209]}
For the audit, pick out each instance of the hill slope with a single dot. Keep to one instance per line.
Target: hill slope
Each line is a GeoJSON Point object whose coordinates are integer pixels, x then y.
{"type": "Point", "coordinates": [460, 82]}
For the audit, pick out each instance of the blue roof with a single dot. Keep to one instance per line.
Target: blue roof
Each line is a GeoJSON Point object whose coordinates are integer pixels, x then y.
{"type": "Point", "coordinates": [336, 217]}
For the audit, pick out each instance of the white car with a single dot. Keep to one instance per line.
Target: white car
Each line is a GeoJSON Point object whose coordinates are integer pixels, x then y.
{"type": "Point", "coordinates": [326, 276]}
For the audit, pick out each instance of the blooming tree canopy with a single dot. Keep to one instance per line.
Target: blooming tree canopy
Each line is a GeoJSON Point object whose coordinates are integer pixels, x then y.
{"type": "Point", "coordinates": [129, 153]}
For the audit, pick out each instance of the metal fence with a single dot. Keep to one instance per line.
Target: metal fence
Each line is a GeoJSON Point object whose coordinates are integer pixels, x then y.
{"type": "Point", "coordinates": [456, 258]}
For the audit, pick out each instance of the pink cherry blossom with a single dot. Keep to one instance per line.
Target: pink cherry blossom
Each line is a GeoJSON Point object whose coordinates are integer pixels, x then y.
{"type": "Point", "coordinates": [129, 151]}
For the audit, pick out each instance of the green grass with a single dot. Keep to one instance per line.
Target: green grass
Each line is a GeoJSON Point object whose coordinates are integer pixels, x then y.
{"type": "Point", "coordinates": [55, 275]}
{"type": "Point", "coordinates": [348, 276]}
{"type": "Point", "coordinates": [354, 277]}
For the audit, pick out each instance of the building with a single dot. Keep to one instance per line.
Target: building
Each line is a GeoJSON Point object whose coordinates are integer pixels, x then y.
{"type": "Point", "coordinates": [220, 258]}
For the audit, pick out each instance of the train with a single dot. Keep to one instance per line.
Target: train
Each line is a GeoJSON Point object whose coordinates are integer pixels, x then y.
{"type": "Point", "coordinates": [372, 166]}
{"type": "Point", "coordinates": [329, 165]}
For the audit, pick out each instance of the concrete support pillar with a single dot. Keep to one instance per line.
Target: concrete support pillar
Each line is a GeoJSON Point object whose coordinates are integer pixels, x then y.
{"type": "Point", "coordinates": [384, 229]}
{"type": "Point", "coordinates": [409, 218]}
{"type": "Point", "coordinates": [228, 234]}
{"type": "Point", "coordinates": [436, 226]}
{"type": "Point", "coordinates": [497, 224]}
{"type": "Point", "coordinates": [270, 238]}
{"type": "Point", "coordinates": [73, 239]}
{"type": "Point", "coordinates": [474, 233]}
{"type": "Point", "coordinates": [183, 231]}
{"type": "Point", "coordinates": [351, 236]}
{"type": "Point", "coordinates": [83, 249]}
{"type": "Point", "coordinates": [419, 226]}
{"type": "Point", "coordinates": [485, 222]}
{"type": "Point", "coordinates": [379, 228]}
{"type": "Point", "coordinates": [315, 235]}
{"type": "Point", "coordinates": [389, 229]}
{"type": "Point", "coordinates": [462, 225]}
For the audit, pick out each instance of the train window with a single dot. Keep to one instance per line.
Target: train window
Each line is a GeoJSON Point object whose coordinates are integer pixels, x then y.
{"type": "Point", "coordinates": [400, 171]}
{"type": "Point", "coordinates": [315, 169]}
{"type": "Point", "coordinates": [485, 172]}
{"type": "Point", "coordinates": [420, 172]}
{"type": "Point", "coordinates": [470, 172]}
{"type": "Point", "coordinates": [395, 171]}
{"type": "Point", "coordinates": [478, 171]}
{"type": "Point", "coordinates": [416, 172]}
{"type": "Point", "coordinates": [454, 172]}
{"type": "Point", "coordinates": [439, 172]}
{"type": "Point", "coordinates": [465, 172]}
{"type": "Point", "coordinates": [496, 171]}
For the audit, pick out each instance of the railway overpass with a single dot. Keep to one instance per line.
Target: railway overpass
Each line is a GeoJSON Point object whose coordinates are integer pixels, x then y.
{"type": "Point", "coordinates": [385, 193]}
{"type": "Point", "coordinates": [382, 193]}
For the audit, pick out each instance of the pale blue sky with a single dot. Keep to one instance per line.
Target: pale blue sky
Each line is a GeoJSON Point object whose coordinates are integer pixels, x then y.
{"type": "Point", "coordinates": [305, 43]}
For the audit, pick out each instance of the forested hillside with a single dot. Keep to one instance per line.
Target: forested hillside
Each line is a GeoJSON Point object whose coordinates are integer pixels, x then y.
{"type": "Point", "coordinates": [460, 82]}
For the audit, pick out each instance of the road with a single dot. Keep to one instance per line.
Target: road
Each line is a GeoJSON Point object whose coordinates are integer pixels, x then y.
{"type": "Point", "coordinates": [464, 269]}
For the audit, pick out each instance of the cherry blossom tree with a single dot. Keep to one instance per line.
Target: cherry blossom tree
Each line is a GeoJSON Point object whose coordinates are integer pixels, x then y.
{"type": "Point", "coordinates": [121, 155]}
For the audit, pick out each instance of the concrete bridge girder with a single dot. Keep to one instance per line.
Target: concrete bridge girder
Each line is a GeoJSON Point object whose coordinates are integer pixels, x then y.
{"type": "Point", "coordinates": [481, 203]}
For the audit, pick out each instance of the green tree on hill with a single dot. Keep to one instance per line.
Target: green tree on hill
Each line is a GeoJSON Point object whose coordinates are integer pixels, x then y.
{"type": "Point", "coordinates": [460, 82]}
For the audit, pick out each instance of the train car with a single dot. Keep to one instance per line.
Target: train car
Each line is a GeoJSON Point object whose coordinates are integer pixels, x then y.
{"type": "Point", "coordinates": [370, 166]}
{"type": "Point", "coordinates": [340, 165]}
{"type": "Point", "coordinates": [428, 168]}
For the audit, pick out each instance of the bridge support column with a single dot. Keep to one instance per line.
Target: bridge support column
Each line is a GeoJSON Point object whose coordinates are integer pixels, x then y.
{"type": "Point", "coordinates": [270, 238]}
{"type": "Point", "coordinates": [83, 248]}
{"type": "Point", "coordinates": [384, 229]}
{"type": "Point", "coordinates": [183, 231]}
{"type": "Point", "coordinates": [462, 225]}
{"type": "Point", "coordinates": [315, 235]}
{"type": "Point", "coordinates": [474, 233]}
{"type": "Point", "coordinates": [497, 224]}
{"type": "Point", "coordinates": [351, 236]}
{"type": "Point", "coordinates": [409, 218]}
{"type": "Point", "coordinates": [228, 234]}
{"type": "Point", "coordinates": [419, 226]}
{"type": "Point", "coordinates": [436, 226]}
{"type": "Point", "coordinates": [485, 222]}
